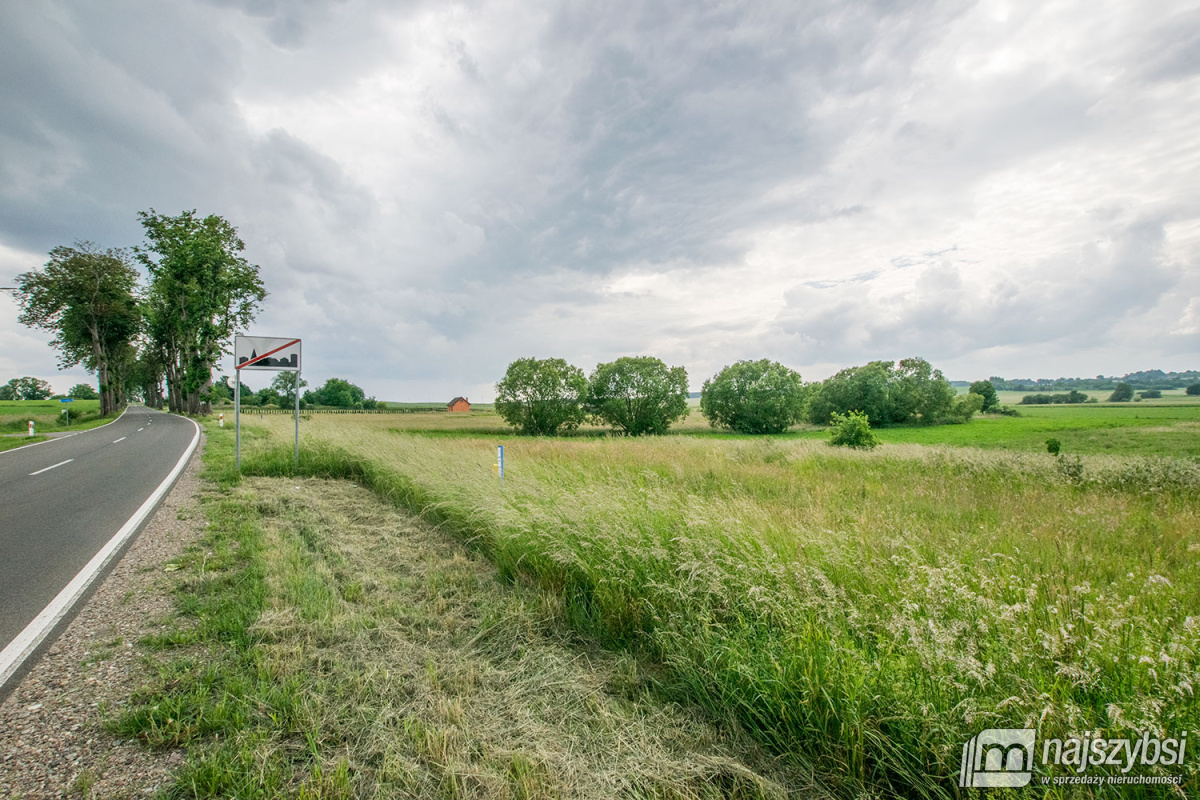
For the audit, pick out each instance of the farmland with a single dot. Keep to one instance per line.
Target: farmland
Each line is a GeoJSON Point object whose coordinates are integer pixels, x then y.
{"type": "Point", "coordinates": [859, 615]}
{"type": "Point", "coordinates": [47, 415]}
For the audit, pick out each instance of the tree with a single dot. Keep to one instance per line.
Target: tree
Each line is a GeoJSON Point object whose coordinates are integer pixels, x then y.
{"type": "Point", "coordinates": [284, 385]}
{"type": "Point", "coordinates": [220, 392]}
{"type": "Point", "coordinates": [908, 391]}
{"type": "Point", "coordinates": [987, 391]}
{"type": "Point", "coordinates": [86, 297]}
{"type": "Point", "coordinates": [83, 391]}
{"type": "Point", "coordinates": [29, 388]}
{"type": "Point", "coordinates": [1122, 394]}
{"type": "Point", "coordinates": [267, 396]}
{"type": "Point", "coordinates": [542, 397]}
{"type": "Point", "coordinates": [7, 392]}
{"type": "Point", "coordinates": [201, 291]}
{"type": "Point", "coordinates": [753, 397]}
{"type": "Point", "coordinates": [638, 395]}
{"type": "Point", "coordinates": [337, 393]}
{"type": "Point", "coordinates": [863, 389]}
{"type": "Point", "coordinates": [1193, 390]}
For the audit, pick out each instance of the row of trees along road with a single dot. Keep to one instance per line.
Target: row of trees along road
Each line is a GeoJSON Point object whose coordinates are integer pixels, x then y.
{"type": "Point", "coordinates": [644, 395]}
{"type": "Point", "coordinates": [201, 289]}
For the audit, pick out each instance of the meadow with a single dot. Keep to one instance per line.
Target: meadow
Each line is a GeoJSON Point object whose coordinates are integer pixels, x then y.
{"type": "Point", "coordinates": [859, 614]}
{"type": "Point", "coordinates": [47, 415]}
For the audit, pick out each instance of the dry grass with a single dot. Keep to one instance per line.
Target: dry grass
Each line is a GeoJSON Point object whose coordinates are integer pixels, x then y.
{"type": "Point", "coordinates": [450, 683]}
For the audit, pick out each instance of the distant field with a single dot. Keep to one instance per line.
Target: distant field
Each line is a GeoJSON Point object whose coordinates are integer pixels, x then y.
{"type": "Point", "coordinates": [1169, 428]}
{"type": "Point", "coordinates": [1101, 395]}
{"type": "Point", "coordinates": [48, 415]}
{"type": "Point", "coordinates": [867, 612]}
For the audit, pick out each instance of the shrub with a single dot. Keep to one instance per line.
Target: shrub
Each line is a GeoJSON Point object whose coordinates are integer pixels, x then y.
{"type": "Point", "coordinates": [853, 430]}
{"type": "Point", "coordinates": [753, 397]}
{"type": "Point", "coordinates": [1053, 446]}
{"type": "Point", "coordinates": [638, 395]}
{"type": "Point", "coordinates": [1193, 390]}
{"type": "Point", "coordinates": [1150, 394]}
{"type": "Point", "coordinates": [542, 397]}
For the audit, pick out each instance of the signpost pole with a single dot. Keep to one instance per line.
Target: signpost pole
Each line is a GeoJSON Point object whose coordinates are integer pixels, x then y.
{"type": "Point", "coordinates": [237, 419]}
{"type": "Point", "coordinates": [296, 456]}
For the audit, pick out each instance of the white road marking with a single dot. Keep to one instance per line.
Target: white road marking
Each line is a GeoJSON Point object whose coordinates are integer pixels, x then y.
{"type": "Point", "coordinates": [52, 466]}
{"type": "Point", "coordinates": [141, 429]}
{"type": "Point", "coordinates": [123, 438]}
{"type": "Point", "coordinates": [35, 632]}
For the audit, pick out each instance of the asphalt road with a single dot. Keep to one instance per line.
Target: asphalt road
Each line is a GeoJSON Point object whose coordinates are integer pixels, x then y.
{"type": "Point", "coordinates": [62, 500]}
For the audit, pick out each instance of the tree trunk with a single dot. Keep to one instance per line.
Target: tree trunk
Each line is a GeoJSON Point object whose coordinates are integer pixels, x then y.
{"type": "Point", "coordinates": [206, 391]}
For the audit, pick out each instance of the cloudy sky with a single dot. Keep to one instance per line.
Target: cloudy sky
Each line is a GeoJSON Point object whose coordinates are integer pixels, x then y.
{"type": "Point", "coordinates": [433, 189]}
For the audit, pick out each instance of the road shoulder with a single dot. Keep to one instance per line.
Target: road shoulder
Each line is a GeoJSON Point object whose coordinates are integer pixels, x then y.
{"type": "Point", "coordinates": [52, 738]}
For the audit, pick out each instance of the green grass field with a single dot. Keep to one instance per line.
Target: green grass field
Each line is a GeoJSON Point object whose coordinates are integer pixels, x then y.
{"type": "Point", "coordinates": [1165, 428]}
{"type": "Point", "coordinates": [860, 613]}
{"type": "Point", "coordinates": [47, 415]}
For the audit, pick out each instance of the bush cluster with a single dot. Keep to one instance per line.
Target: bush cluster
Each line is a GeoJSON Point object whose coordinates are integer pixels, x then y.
{"type": "Point", "coordinates": [1072, 396]}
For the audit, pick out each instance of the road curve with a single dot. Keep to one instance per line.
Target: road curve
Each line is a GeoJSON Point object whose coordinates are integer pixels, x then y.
{"type": "Point", "coordinates": [63, 500]}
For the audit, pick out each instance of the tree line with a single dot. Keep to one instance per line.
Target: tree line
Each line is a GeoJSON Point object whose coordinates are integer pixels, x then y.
{"type": "Point", "coordinates": [30, 388]}
{"type": "Point", "coordinates": [642, 395]}
{"type": "Point", "coordinates": [1144, 379]}
{"type": "Point", "coordinates": [139, 338]}
{"type": "Point", "coordinates": [334, 393]}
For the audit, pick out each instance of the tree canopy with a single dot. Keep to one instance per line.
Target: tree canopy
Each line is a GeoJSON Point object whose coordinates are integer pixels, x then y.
{"type": "Point", "coordinates": [753, 397]}
{"type": "Point", "coordinates": [638, 395]}
{"type": "Point", "coordinates": [338, 393]}
{"type": "Point", "coordinates": [86, 297]}
{"type": "Point", "coordinates": [907, 391]}
{"type": "Point", "coordinates": [26, 388]}
{"type": "Point", "coordinates": [201, 290]}
{"type": "Point", "coordinates": [987, 391]}
{"type": "Point", "coordinates": [542, 397]}
{"type": "Point", "coordinates": [1122, 394]}
{"type": "Point", "coordinates": [83, 391]}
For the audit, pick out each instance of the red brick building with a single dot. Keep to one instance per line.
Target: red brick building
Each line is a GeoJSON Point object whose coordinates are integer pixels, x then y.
{"type": "Point", "coordinates": [458, 404]}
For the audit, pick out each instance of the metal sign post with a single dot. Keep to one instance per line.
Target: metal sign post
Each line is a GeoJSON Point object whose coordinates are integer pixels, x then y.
{"type": "Point", "coordinates": [266, 353]}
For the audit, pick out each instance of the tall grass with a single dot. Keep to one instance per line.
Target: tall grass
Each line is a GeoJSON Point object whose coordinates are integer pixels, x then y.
{"type": "Point", "coordinates": [867, 611]}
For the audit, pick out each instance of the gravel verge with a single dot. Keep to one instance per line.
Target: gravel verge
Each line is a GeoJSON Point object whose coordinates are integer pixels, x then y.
{"type": "Point", "coordinates": [52, 738]}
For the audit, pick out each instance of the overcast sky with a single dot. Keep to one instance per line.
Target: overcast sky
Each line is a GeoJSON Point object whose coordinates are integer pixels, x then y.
{"type": "Point", "coordinates": [435, 189]}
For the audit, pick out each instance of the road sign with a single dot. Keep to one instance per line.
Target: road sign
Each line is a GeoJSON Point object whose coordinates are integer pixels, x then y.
{"type": "Point", "coordinates": [270, 353]}
{"type": "Point", "coordinates": [267, 353]}
{"type": "Point", "coordinates": [66, 399]}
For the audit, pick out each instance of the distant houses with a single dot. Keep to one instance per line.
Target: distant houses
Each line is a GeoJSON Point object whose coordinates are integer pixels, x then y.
{"type": "Point", "coordinates": [458, 404]}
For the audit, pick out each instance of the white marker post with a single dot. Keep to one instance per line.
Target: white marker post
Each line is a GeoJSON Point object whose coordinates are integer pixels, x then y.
{"type": "Point", "coordinates": [271, 354]}
{"type": "Point", "coordinates": [500, 462]}
{"type": "Point", "coordinates": [31, 427]}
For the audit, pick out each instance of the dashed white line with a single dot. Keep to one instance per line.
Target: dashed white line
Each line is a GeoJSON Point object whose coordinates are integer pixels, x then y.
{"type": "Point", "coordinates": [52, 466]}
{"type": "Point", "coordinates": [141, 429]}
{"type": "Point", "coordinates": [123, 438]}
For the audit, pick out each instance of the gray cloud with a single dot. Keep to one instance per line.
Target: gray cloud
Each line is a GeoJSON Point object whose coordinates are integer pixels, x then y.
{"type": "Point", "coordinates": [435, 189]}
